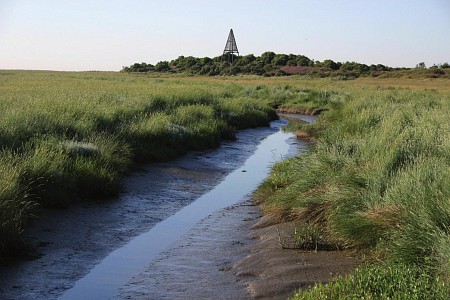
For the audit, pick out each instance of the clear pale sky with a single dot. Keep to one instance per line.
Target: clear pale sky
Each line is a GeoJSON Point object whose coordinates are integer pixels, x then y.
{"type": "Point", "coordinates": [108, 34]}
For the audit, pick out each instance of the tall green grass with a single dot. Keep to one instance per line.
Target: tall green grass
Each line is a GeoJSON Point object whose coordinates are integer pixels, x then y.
{"type": "Point", "coordinates": [376, 179]}
{"type": "Point", "coordinates": [15, 205]}
{"type": "Point", "coordinates": [396, 281]}
{"type": "Point", "coordinates": [71, 136]}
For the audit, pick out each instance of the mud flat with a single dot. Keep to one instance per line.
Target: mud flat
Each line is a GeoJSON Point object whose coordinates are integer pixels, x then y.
{"type": "Point", "coordinates": [221, 255]}
{"type": "Point", "coordinates": [200, 265]}
{"type": "Point", "coordinates": [271, 272]}
{"type": "Point", "coordinates": [69, 243]}
{"type": "Point", "coordinates": [115, 270]}
{"type": "Point", "coordinates": [231, 254]}
{"type": "Point", "coordinates": [235, 253]}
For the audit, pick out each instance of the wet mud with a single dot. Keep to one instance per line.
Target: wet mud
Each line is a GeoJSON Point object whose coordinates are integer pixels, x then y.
{"type": "Point", "coordinates": [70, 242]}
{"type": "Point", "coordinates": [227, 255]}
{"type": "Point", "coordinates": [200, 265]}
{"type": "Point", "coordinates": [235, 254]}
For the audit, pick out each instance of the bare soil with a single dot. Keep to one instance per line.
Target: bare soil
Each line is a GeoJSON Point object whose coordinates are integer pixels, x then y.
{"type": "Point", "coordinates": [235, 254]}
{"type": "Point", "coordinates": [225, 256]}
{"type": "Point", "coordinates": [70, 242]}
{"type": "Point", "coordinates": [276, 273]}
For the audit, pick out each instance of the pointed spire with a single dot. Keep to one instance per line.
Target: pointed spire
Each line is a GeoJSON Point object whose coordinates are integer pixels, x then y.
{"type": "Point", "coordinates": [231, 46]}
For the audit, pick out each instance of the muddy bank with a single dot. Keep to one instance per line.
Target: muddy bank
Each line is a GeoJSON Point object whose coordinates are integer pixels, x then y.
{"type": "Point", "coordinates": [114, 271]}
{"type": "Point", "coordinates": [272, 272]}
{"type": "Point", "coordinates": [228, 255]}
{"type": "Point", "coordinates": [235, 253]}
{"type": "Point", "coordinates": [200, 265]}
{"type": "Point", "coordinates": [220, 257]}
{"type": "Point", "coordinates": [70, 242]}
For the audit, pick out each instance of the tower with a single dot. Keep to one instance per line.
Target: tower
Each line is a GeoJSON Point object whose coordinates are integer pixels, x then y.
{"type": "Point", "coordinates": [230, 47]}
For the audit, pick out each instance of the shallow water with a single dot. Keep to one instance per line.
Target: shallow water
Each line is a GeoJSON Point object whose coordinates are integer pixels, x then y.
{"type": "Point", "coordinates": [117, 268]}
{"type": "Point", "coordinates": [306, 118]}
{"type": "Point", "coordinates": [72, 242]}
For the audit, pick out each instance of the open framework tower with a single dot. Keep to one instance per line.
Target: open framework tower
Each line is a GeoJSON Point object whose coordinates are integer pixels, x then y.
{"type": "Point", "coordinates": [230, 48]}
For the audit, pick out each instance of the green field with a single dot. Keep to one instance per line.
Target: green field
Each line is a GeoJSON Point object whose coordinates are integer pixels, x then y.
{"type": "Point", "coordinates": [71, 136]}
{"type": "Point", "coordinates": [376, 180]}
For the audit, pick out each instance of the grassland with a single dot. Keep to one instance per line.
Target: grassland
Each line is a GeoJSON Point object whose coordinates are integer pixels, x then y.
{"type": "Point", "coordinates": [71, 136]}
{"type": "Point", "coordinates": [375, 181]}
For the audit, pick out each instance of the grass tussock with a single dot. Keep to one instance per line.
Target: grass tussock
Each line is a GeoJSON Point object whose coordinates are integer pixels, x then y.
{"type": "Point", "coordinates": [71, 136]}
{"type": "Point", "coordinates": [15, 205]}
{"type": "Point", "coordinates": [377, 179]}
{"type": "Point", "coordinates": [381, 282]}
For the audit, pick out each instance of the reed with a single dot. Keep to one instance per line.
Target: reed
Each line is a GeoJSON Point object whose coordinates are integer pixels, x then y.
{"type": "Point", "coordinates": [71, 136]}
{"type": "Point", "coordinates": [376, 179]}
{"type": "Point", "coordinates": [381, 282]}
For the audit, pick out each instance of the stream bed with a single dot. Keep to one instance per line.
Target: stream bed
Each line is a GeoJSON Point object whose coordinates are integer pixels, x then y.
{"type": "Point", "coordinates": [93, 249]}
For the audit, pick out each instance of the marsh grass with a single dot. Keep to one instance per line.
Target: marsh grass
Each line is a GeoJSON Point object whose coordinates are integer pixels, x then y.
{"type": "Point", "coordinates": [72, 136]}
{"type": "Point", "coordinates": [396, 281]}
{"type": "Point", "coordinates": [74, 149]}
{"type": "Point", "coordinates": [306, 236]}
{"type": "Point", "coordinates": [376, 179]}
{"type": "Point", "coordinates": [15, 206]}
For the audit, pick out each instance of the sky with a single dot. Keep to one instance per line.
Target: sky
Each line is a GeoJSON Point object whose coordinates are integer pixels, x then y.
{"type": "Point", "coordinates": [88, 35]}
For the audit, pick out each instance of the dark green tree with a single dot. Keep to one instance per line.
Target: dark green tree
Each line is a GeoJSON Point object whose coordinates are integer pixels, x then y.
{"type": "Point", "coordinates": [245, 60]}
{"type": "Point", "coordinates": [267, 57]}
{"type": "Point", "coordinates": [355, 67]}
{"type": "Point", "coordinates": [292, 60]}
{"type": "Point", "coordinates": [328, 63]}
{"type": "Point", "coordinates": [421, 65]}
{"type": "Point", "coordinates": [280, 60]}
{"type": "Point", "coordinates": [304, 61]}
{"type": "Point", "coordinates": [162, 66]}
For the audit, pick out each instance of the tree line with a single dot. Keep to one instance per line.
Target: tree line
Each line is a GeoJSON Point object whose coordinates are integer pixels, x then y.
{"type": "Point", "coordinates": [268, 64]}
